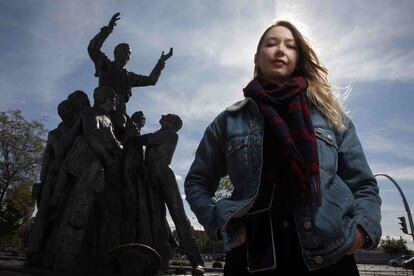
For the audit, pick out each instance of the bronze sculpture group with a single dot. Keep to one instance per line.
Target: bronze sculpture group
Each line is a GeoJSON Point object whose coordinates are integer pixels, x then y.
{"type": "Point", "coordinates": [102, 199]}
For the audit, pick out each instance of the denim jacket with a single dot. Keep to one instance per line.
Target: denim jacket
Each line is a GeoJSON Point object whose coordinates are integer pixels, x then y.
{"type": "Point", "coordinates": [233, 144]}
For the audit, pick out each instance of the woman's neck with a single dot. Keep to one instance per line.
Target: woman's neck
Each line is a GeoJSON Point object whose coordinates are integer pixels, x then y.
{"type": "Point", "coordinates": [279, 83]}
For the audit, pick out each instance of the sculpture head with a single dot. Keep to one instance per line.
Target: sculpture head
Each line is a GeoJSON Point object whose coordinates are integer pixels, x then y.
{"type": "Point", "coordinates": [79, 101]}
{"type": "Point", "coordinates": [122, 52]}
{"type": "Point", "coordinates": [138, 119]}
{"type": "Point", "coordinates": [171, 121]}
{"type": "Point", "coordinates": [104, 97]}
{"type": "Point", "coordinates": [65, 111]}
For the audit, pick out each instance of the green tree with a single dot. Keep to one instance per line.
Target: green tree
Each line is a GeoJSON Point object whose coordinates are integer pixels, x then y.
{"type": "Point", "coordinates": [21, 148]}
{"type": "Point", "coordinates": [206, 245]}
{"type": "Point", "coordinates": [394, 246]}
{"type": "Point", "coordinates": [15, 217]}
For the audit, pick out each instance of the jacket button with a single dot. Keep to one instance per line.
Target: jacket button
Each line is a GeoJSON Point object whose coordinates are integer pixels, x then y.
{"type": "Point", "coordinates": [318, 259]}
{"type": "Point", "coordinates": [285, 224]}
{"type": "Point", "coordinates": [319, 130]}
{"type": "Point", "coordinates": [307, 225]}
{"type": "Point", "coordinates": [229, 213]}
{"type": "Point", "coordinates": [330, 137]}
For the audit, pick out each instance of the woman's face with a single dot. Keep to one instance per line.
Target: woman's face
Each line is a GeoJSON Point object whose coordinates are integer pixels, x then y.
{"type": "Point", "coordinates": [277, 56]}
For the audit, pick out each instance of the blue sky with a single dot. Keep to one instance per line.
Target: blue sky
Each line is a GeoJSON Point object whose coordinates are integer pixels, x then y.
{"type": "Point", "coordinates": [367, 47]}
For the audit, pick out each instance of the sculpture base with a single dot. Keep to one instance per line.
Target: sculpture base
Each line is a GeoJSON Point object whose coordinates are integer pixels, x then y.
{"type": "Point", "coordinates": [132, 259]}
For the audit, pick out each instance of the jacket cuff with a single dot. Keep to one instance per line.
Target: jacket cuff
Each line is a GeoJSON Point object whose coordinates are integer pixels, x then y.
{"type": "Point", "coordinates": [371, 234]}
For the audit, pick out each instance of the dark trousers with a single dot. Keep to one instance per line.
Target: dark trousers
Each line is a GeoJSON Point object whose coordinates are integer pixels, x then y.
{"type": "Point", "coordinates": [236, 265]}
{"type": "Point", "coordinates": [288, 256]}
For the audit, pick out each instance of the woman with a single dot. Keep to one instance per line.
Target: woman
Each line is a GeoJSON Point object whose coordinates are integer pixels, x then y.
{"type": "Point", "coordinates": [304, 198]}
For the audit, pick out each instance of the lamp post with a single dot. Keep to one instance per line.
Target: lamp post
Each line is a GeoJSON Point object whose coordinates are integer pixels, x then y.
{"type": "Point", "coordinates": [407, 208]}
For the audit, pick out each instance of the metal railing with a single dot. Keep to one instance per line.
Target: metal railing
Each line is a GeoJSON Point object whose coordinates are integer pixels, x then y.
{"type": "Point", "coordinates": [383, 270]}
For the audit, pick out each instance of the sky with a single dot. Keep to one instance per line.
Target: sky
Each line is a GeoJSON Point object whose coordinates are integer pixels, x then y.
{"type": "Point", "coordinates": [367, 47]}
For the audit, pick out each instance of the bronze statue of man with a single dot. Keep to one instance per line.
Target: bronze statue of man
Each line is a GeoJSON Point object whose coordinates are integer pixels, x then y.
{"type": "Point", "coordinates": [113, 73]}
{"type": "Point", "coordinates": [160, 147]}
{"type": "Point", "coordinates": [43, 191]}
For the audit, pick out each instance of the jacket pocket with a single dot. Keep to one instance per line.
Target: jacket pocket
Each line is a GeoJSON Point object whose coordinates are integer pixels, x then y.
{"type": "Point", "coordinates": [339, 194]}
{"type": "Point", "coordinates": [327, 150]}
{"type": "Point", "coordinates": [228, 218]}
{"type": "Point", "coordinates": [332, 217]}
{"type": "Point", "coordinates": [236, 157]}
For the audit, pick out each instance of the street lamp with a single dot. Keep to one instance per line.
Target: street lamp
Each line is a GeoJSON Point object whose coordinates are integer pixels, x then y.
{"type": "Point", "coordinates": [407, 208]}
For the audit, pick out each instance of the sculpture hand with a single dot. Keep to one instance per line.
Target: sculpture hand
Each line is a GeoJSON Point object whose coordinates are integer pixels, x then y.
{"type": "Point", "coordinates": [167, 56]}
{"type": "Point", "coordinates": [113, 20]}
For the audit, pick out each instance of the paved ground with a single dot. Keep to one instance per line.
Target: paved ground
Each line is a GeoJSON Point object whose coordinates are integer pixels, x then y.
{"type": "Point", "coordinates": [12, 267]}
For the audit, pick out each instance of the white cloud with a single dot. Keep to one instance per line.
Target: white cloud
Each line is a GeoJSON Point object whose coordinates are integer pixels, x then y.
{"type": "Point", "coordinates": [383, 140]}
{"type": "Point", "coordinates": [55, 46]}
{"type": "Point", "coordinates": [405, 173]}
{"type": "Point", "coordinates": [391, 209]}
{"type": "Point", "coordinates": [357, 40]}
{"type": "Point", "coordinates": [183, 164]}
{"type": "Point", "coordinates": [205, 101]}
{"type": "Point", "coordinates": [178, 177]}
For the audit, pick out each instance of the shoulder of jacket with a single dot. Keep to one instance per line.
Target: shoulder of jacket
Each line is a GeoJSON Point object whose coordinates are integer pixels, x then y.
{"type": "Point", "coordinates": [220, 121]}
{"type": "Point", "coordinates": [238, 105]}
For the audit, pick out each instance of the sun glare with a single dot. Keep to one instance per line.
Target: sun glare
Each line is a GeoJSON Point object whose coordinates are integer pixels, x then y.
{"type": "Point", "coordinates": [291, 11]}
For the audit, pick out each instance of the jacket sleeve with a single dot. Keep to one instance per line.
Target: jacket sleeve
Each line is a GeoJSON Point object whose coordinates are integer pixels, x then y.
{"type": "Point", "coordinates": [353, 168]}
{"type": "Point", "coordinates": [202, 180]}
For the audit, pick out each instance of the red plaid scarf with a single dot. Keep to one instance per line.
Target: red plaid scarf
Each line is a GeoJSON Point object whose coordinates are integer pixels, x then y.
{"type": "Point", "coordinates": [286, 109]}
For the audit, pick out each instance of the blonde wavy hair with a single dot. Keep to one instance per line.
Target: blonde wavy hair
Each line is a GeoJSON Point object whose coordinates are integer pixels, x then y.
{"type": "Point", "coordinates": [308, 66]}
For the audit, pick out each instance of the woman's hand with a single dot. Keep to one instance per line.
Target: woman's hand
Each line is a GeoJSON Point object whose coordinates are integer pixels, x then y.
{"type": "Point", "coordinates": [359, 241]}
